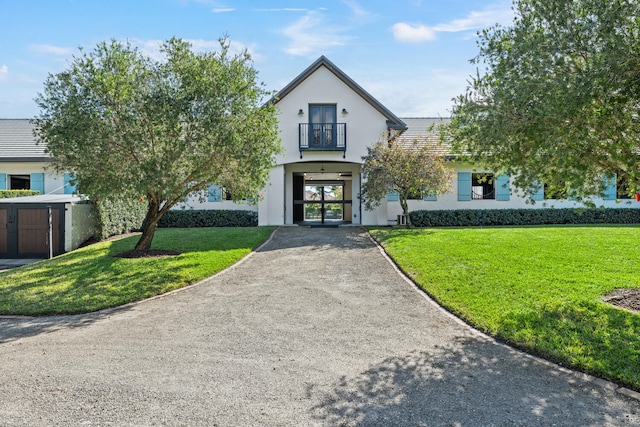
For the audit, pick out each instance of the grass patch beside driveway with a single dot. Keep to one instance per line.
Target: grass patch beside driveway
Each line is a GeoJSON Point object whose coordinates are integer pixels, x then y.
{"type": "Point", "coordinates": [537, 288]}
{"type": "Point", "coordinates": [91, 278]}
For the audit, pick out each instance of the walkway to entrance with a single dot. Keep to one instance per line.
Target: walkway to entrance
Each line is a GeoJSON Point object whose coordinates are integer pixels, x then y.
{"type": "Point", "coordinates": [316, 328]}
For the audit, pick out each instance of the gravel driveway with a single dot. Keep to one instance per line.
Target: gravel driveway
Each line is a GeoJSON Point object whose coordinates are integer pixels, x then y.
{"type": "Point", "coordinates": [316, 328]}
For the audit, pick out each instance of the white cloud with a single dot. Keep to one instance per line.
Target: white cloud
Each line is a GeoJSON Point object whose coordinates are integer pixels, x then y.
{"type": "Point", "coordinates": [223, 9]}
{"type": "Point", "coordinates": [477, 21]}
{"type": "Point", "coordinates": [4, 72]}
{"type": "Point", "coordinates": [284, 9]}
{"type": "Point", "coordinates": [357, 10]}
{"type": "Point", "coordinates": [310, 34]}
{"type": "Point", "coordinates": [414, 33]}
{"type": "Point", "coordinates": [48, 49]}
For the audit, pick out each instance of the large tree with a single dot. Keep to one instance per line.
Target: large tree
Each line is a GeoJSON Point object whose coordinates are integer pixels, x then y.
{"type": "Point", "coordinates": [414, 169]}
{"type": "Point", "coordinates": [123, 122]}
{"type": "Point", "coordinates": [559, 97]}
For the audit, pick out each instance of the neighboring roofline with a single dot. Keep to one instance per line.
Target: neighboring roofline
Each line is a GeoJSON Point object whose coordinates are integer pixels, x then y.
{"type": "Point", "coordinates": [24, 159]}
{"type": "Point", "coordinates": [393, 121]}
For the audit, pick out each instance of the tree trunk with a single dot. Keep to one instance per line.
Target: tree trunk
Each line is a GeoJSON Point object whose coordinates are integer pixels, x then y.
{"type": "Point", "coordinates": [149, 226]}
{"type": "Point", "coordinates": [405, 212]}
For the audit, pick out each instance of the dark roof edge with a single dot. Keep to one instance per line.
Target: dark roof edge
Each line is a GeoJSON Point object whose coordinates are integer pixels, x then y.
{"type": "Point", "coordinates": [24, 159]}
{"type": "Point", "coordinates": [393, 121]}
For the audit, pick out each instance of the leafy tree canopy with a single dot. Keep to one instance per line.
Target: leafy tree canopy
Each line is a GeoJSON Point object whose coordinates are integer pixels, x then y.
{"type": "Point", "coordinates": [558, 103]}
{"type": "Point", "coordinates": [123, 122]}
{"type": "Point", "coordinates": [411, 169]}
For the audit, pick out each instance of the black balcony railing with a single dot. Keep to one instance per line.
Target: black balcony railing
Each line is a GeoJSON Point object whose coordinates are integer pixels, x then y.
{"type": "Point", "coordinates": [322, 136]}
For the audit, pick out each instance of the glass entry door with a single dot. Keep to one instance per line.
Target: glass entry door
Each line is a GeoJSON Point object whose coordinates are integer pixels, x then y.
{"type": "Point", "coordinates": [324, 202]}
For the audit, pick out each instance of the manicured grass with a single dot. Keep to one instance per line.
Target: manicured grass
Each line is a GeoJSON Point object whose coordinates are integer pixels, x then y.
{"type": "Point", "coordinates": [537, 288]}
{"type": "Point", "coordinates": [91, 278]}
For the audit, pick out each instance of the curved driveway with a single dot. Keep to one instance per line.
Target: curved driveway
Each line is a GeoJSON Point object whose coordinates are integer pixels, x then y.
{"type": "Point", "coordinates": [316, 328]}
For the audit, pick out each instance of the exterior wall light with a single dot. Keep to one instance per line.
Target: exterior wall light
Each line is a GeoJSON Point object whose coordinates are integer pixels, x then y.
{"type": "Point", "coordinates": [344, 111]}
{"type": "Point", "coordinates": [300, 112]}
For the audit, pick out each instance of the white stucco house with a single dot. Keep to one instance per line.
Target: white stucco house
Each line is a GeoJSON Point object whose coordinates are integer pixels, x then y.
{"type": "Point", "coordinates": [326, 123]}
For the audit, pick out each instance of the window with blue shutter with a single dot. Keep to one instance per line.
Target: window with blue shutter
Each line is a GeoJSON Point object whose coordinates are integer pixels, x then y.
{"type": "Point", "coordinates": [610, 188]}
{"type": "Point", "coordinates": [537, 192]}
{"type": "Point", "coordinates": [430, 198]}
{"type": "Point", "coordinates": [3, 181]}
{"type": "Point", "coordinates": [503, 192]}
{"type": "Point", "coordinates": [37, 182]}
{"type": "Point", "coordinates": [68, 187]}
{"type": "Point", "coordinates": [464, 186]}
{"type": "Point", "coordinates": [214, 194]}
{"type": "Point", "coordinates": [393, 196]}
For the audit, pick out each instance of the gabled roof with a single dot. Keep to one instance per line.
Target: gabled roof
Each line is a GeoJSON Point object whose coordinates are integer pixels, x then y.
{"type": "Point", "coordinates": [18, 144]}
{"type": "Point", "coordinates": [393, 121]}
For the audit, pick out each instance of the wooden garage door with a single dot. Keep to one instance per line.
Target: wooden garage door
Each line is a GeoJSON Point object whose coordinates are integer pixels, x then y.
{"type": "Point", "coordinates": [3, 231]}
{"type": "Point", "coordinates": [32, 231]}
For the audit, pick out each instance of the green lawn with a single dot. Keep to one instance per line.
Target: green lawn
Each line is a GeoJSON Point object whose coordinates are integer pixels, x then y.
{"type": "Point", "coordinates": [538, 288]}
{"type": "Point", "coordinates": [91, 278]}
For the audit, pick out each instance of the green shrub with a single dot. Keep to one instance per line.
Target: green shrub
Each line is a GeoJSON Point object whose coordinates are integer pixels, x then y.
{"type": "Point", "coordinates": [209, 218]}
{"type": "Point", "coordinates": [5, 194]}
{"type": "Point", "coordinates": [118, 216]}
{"type": "Point", "coordinates": [488, 217]}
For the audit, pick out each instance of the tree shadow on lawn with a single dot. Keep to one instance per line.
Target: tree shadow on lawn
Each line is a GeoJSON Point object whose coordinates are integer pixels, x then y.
{"type": "Point", "coordinates": [588, 335]}
{"type": "Point", "coordinates": [469, 383]}
{"type": "Point", "coordinates": [105, 285]}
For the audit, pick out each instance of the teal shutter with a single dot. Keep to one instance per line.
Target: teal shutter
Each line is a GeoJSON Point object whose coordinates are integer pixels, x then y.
{"type": "Point", "coordinates": [3, 181]}
{"type": "Point", "coordinates": [214, 194]}
{"type": "Point", "coordinates": [537, 192]}
{"type": "Point", "coordinates": [68, 187]}
{"type": "Point", "coordinates": [610, 191]}
{"type": "Point", "coordinates": [464, 186]}
{"type": "Point", "coordinates": [37, 182]}
{"type": "Point", "coordinates": [503, 192]}
{"type": "Point", "coordinates": [430, 198]}
{"type": "Point", "coordinates": [393, 196]}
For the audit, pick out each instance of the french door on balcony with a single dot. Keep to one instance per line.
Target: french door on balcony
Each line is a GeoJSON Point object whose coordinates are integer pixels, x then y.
{"type": "Point", "coordinates": [322, 126]}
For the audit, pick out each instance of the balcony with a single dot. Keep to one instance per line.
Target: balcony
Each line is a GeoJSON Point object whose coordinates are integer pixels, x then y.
{"type": "Point", "coordinates": [322, 137]}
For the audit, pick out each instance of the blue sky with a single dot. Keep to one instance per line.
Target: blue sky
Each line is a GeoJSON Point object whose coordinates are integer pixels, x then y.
{"type": "Point", "coordinates": [412, 55]}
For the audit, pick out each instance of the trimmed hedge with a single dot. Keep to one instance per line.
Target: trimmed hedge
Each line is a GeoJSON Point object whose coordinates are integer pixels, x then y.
{"type": "Point", "coordinates": [118, 216]}
{"type": "Point", "coordinates": [208, 218]}
{"type": "Point", "coordinates": [5, 194]}
{"type": "Point", "coordinates": [488, 217]}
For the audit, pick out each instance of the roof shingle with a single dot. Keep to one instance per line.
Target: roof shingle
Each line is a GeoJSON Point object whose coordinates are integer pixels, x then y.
{"type": "Point", "coordinates": [17, 142]}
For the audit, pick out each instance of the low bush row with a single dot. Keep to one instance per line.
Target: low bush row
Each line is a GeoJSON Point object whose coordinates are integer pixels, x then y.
{"type": "Point", "coordinates": [488, 217]}
{"type": "Point", "coordinates": [208, 218]}
{"type": "Point", "coordinates": [5, 194]}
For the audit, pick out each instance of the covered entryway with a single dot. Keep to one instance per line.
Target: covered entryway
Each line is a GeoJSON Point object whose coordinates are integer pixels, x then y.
{"type": "Point", "coordinates": [322, 198]}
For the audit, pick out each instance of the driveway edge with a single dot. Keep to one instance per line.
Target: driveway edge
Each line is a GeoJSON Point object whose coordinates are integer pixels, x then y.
{"type": "Point", "coordinates": [606, 384]}
{"type": "Point", "coordinates": [134, 303]}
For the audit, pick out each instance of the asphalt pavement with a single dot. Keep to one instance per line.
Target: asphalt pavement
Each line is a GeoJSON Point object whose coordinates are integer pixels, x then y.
{"type": "Point", "coordinates": [317, 328]}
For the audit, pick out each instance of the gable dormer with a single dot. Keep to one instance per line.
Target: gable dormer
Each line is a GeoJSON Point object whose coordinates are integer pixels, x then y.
{"type": "Point", "coordinates": [326, 115]}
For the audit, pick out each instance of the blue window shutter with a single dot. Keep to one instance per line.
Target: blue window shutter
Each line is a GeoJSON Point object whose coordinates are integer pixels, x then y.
{"type": "Point", "coordinates": [37, 182]}
{"type": "Point", "coordinates": [610, 191]}
{"type": "Point", "coordinates": [3, 181]}
{"type": "Point", "coordinates": [393, 196]}
{"type": "Point", "coordinates": [464, 186]}
{"type": "Point", "coordinates": [537, 192]}
{"type": "Point", "coordinates": [430, 198]}
{"type": "Point", "coordinates": [68, 188]}
{"type": "Point", "coordinates": [214, 194]}
{"type": "Point", "coordinates": [503, 192]}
